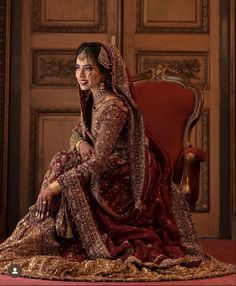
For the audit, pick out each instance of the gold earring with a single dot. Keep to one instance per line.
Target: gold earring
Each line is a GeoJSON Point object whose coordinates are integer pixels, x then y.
{"type": "Point", "coordinates": [102, 86]}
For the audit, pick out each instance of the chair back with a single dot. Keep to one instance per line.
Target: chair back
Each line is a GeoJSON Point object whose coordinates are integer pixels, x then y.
{"type": "Point", "coordinates": [171, 105]}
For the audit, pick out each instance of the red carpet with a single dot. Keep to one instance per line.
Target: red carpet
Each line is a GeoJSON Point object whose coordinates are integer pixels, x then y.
{"type": "Point", "coordinates": [224, 250]}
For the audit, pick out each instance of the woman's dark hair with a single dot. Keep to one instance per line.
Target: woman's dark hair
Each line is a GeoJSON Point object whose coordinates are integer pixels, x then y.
{"type": "Point", "coordinates": [92, 49]}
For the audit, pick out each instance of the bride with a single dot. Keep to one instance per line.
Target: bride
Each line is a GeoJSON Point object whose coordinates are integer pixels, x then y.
{"type": "Point", "coordinates": [107, 208]}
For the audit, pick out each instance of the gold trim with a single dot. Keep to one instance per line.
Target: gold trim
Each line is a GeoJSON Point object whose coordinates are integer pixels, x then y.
{"type": "Point", "coordinates": [189, 159]}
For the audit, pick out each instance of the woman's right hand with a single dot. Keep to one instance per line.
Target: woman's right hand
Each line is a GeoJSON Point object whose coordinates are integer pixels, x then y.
{"type": "Point", "coordinates": [86, 150]}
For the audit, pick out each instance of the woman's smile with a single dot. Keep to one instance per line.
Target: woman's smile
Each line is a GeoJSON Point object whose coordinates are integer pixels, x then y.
{"type": "Point", "coordinates": [83, 82]}
{"type": "Point", "coordinates": [87, 73]}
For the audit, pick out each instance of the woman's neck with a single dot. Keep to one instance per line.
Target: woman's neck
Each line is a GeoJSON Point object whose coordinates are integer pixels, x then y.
{"type": "Point", "coordinates": [99, 96]}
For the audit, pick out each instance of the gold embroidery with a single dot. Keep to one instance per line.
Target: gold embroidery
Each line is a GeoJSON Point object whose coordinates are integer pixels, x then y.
{"type": "Point", "coordinates": [86, 225]}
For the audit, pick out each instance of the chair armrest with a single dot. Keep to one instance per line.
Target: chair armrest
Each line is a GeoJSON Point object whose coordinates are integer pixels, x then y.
{"type": "Point", "coordinates": [187, 172]}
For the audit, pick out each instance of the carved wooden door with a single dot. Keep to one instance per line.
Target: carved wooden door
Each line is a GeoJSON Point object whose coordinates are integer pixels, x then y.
{"type": "Point", "coordinates": [177, 33]}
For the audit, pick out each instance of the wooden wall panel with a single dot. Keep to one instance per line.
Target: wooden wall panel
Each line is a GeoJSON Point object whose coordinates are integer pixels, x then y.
{"type": "Point", "coordinates": [172, 16]}
{"type": "Point", "coordinates": [72, 16]}
{"type": "Point", "coordinates": [83, 12]}
{"type": "Point", "coordinates": [53, 132]}
{"type": "Point", "coordinates": [50, 131]}
{"type": "Point", "coordinates": [53, 68]}
{"type": "Point", "coordinates": [192, 64]}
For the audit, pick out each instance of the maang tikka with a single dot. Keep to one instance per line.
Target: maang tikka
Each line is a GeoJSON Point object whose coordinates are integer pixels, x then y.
{"type": "Point", "coordinates": [103, 58]}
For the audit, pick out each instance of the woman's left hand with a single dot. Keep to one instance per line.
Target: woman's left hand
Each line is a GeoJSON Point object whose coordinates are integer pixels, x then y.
{"type": "Point", "coordinates": [44, 202]}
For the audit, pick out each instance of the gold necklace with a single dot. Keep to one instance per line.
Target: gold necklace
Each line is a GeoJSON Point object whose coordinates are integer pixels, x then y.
{"type": "Point", "coordinates": [98, 98]}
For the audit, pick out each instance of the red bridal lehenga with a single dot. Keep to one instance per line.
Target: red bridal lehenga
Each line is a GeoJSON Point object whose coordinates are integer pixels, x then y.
{"type": "Point", "coordinates": [119, 217]}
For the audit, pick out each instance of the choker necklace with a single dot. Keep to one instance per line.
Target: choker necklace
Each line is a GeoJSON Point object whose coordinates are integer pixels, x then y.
{"type": "Point", "coordinates": [98, 98]}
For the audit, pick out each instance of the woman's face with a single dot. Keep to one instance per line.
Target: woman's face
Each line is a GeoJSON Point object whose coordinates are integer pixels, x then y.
{"type": "Point", "coordinates": [87, 73]}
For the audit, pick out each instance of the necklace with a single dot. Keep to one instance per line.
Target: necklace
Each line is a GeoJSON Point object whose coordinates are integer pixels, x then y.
{"type": "Point", "coordinates": [98, 98]}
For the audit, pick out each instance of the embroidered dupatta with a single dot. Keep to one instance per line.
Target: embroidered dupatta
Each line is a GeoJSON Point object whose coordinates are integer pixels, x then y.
{"type": "Point", "coordinates": [180, 256]}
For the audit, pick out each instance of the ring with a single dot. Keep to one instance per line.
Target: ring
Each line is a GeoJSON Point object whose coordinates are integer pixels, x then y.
{"type": "Point", "coordinates": [44, 202]}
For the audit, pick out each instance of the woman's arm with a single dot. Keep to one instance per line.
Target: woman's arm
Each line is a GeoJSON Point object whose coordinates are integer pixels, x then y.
{"type": "Point", "coordinates": [112, 120]}
{"type": "Point", "coordinates": [76, 137]}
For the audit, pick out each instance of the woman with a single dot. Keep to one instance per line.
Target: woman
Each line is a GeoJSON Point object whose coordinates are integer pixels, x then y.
{"type": "Point", "coordinates": [108, 209]}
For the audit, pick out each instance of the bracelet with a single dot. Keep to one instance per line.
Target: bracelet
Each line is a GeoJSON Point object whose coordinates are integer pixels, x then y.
{"type": "Point", "coordinates": [78, 143]}
{"type": "Point", "coordinates": [55, 187]}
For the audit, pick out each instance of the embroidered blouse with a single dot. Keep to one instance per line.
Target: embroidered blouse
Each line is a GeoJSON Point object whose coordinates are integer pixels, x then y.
{"type": "Point", "coordinates": [109, 130]}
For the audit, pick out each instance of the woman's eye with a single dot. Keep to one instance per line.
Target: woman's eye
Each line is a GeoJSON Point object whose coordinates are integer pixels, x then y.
{"type": "Point", "coordinates": [89, 68]}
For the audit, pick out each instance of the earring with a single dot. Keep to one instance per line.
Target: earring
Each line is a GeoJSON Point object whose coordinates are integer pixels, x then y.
{"type": "Point", "coordinates": [102, 86]}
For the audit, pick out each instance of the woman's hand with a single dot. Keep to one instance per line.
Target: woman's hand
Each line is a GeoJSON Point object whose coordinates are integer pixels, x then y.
{"type": "Point", "coordinates": [86, 150]}
{"type": "Point", "coordinates": [44, 202]}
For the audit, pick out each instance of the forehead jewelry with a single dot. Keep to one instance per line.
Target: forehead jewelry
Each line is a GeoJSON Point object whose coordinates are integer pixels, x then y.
{"type": "Point", "coordinates": [103, 58]}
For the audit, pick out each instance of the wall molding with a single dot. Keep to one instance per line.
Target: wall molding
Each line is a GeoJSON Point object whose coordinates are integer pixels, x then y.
{"type": "Point", "coordinates": [54, 27]}
{"type": "Point", "coordinates": [53, 68]}
{"type": "Point", "coordinates": [193, 65]}
{"type": "Point", "coordinates": [203, 28]}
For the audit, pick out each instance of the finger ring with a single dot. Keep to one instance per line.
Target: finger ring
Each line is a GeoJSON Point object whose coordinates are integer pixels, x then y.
{"type": "Point", "coordinates": [44, 202]}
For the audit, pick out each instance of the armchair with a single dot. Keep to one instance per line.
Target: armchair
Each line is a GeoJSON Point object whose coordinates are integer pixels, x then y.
{"type": "Point", "coordinates": [171, 106]}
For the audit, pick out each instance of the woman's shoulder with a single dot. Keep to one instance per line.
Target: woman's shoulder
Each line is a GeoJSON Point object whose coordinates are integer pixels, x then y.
{"type": "Point", "coordinates": [113, 100]}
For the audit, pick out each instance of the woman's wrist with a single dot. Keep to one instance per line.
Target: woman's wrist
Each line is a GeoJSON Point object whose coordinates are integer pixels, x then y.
{"type": "Point", "coordinates": [78, 144]}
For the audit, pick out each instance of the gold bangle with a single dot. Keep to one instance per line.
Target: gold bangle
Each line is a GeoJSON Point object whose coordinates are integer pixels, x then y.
{"type": "Point", "coordinates": [55, 187]}
{"type": "Point", "coordinates": [78, 143]}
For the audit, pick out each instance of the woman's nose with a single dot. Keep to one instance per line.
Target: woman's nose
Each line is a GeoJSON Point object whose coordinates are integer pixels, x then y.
{"type": "Point", "coordinates": [80, 73]}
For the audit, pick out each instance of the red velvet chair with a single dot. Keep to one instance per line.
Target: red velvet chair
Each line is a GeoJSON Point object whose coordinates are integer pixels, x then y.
{"type": "Point", "coordinates": [171, 106]}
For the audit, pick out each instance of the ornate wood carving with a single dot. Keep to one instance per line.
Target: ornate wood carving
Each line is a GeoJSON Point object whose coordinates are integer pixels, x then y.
{"type": "Point", "coordinates": [40, 23]}
{"type": "Point", "coordinates": [192, 65]}
{"type": "Point", "coordinates": [34, 128]}
{"type": "Point", "coordinates": [53, 68]}
{"type": "Point", "coordinates": [187, 26]}
{"type": "Point", "coordinates": [203, 203]}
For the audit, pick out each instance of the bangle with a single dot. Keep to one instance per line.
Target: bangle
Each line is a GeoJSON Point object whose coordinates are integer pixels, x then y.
{"type": "Point", "coordinates": [78, 143]}
{"type": "Point", "coordinates": [55, 187]}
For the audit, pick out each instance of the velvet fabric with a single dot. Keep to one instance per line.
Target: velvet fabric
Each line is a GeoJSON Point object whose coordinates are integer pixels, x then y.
{"type": "Point", "coordinates": [174, 103]}
{"type": "Point", "coordinates": [167, 107]}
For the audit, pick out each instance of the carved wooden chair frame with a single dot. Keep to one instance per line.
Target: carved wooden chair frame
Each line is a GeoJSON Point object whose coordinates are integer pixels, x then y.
{"type": "Point", "coordinates": [190, 155]}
